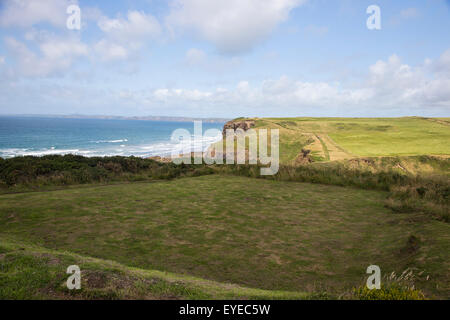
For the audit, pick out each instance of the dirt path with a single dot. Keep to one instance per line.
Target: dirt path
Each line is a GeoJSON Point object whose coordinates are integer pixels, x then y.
{"type": "Point", "coordinates": [334, 151]}
{"type": "Point", "coordinates": [440, 121]}
{"type": "Point", "coordinates": [323, 146]}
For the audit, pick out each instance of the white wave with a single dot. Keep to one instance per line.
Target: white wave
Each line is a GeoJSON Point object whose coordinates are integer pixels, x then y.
{"type": "Point", "coordinates": [111, 141]}
{"type": "Point", "coordinates": [195, 144]}
{"type": "Point", "coordinates": [27, 152]}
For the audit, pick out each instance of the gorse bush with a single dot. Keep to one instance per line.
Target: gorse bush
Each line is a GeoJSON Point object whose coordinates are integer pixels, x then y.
{"type": "Point", "coordinates": [394, 286]}
{"type": "Point", "coordinates": [25, 172]}
{"type": "Point", "coordinates": [391, 292]}
{"type": "Point", "coordinates": [334, 175]}
{"type": "Point", "coordinates": [429, 195]}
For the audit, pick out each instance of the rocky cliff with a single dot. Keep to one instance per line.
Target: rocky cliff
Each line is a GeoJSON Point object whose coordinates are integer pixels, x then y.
{"type": "Point", "coordinates": [238, 124]}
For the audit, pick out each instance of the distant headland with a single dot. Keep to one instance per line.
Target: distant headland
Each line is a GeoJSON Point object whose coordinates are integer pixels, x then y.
{"type": "Point", "coordinates": [109, 117]}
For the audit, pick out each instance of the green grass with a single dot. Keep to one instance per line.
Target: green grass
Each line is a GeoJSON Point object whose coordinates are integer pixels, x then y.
{"type": "Point", "coordinates": [365, 137]}
{"type": "Point", "coordinates": [253, 233]}
{"type": "Point", "coordinates": [393, 137]}
{"type": "Point", "coordinates": [32, 272]}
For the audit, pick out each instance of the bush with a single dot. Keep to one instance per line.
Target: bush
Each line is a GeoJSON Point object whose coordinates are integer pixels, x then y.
{"type": "Point", "coordinates": [392, 292]}
{"type": "Point", "coordinates": [31, 172]}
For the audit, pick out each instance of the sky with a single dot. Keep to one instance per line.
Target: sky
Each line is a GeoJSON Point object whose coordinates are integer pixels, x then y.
{"type": "Point", "coordinates": [211, 58]}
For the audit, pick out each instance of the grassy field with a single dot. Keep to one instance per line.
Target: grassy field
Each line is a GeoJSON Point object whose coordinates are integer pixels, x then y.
{"type": "Point", "coordinates": [304, 239]}
{"type": "Point", "coordinates": [344, 138]}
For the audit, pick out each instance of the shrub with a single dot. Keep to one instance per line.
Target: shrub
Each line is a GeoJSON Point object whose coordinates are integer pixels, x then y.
{"type": "Point", "coordinates": [25, 172]}
{"type": "Point", "coordinates": [391, 292]}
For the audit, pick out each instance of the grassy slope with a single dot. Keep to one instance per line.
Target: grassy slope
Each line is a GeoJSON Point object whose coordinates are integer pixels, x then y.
{"type": "Point", "coordinates": [254, 233]}
{"type": "Point", "coordinates": [363, 137]}
{"type": "Point", "coordinates": [33, 272]}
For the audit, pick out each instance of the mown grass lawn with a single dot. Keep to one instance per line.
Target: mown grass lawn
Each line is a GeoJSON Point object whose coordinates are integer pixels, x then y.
{"type": "Point", "coordinates": [256, 233]}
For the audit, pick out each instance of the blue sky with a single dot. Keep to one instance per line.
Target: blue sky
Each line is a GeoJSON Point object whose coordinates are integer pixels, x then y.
{"type": "Point", "coordinates": [207, 58]}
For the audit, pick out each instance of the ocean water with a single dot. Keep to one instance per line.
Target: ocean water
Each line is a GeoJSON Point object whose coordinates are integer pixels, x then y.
{"type": "Point", "coordinates": [20, 136]}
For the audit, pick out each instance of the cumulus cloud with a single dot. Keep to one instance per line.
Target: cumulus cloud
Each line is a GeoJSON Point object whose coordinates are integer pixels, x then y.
{"type": "Point", "coordinates": [272, 97]}
{"type": "Point", "coordinates": [388, 85]}
{"type": "Point", "coordinates": [54, 57]}
{"type": "Point", "coordinates": [181, 94]}
{"type": "Point", "coordinates": [56, 50]}
{"type": "Point", "coordinates": [124, 36]}
{"type": "Point", "coordinates": [28, 13]}
{"type": "Point", "coordinates": [401, 84]}
{"type": "Point", "coordinates": [137, 26]}
{"type": "Point", "coordinates": [392, 75]}
{"type": "Point", "coordinates": [233, 26]}
{"type": "Point", "coordinates": [109, 51]}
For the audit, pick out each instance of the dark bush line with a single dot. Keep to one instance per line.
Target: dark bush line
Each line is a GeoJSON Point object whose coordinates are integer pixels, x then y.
{"type": "Point", "coordinates": [331, 175]}
{"type": "Point", "coordinates": [29, 171]}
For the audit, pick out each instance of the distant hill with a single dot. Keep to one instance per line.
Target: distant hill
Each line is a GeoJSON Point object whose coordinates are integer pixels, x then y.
{"type": "Point", "coordinates": [147, 118]}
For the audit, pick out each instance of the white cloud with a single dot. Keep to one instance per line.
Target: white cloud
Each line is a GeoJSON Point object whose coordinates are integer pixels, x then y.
{"type": "Point", "coordinates": [2, 60]}
{"type": "Point", "coordinates": [233, 26]}
{"type": "Point", "coordinates": [243, 87]}
{"type": "Point", "coordinates": [393, 74]}
{"type": "Point", "coordinates": [123, 37]}
{"type": "Point", "coordinates": [388, 85]}
{"type": "Point", "coordinates": [56, 50]}
{"type": "Point", "coordinates": [137, 27]}
{"type": "Point", "coordinates": [91, 14]}
{"type": "Point", "coordinates": [272, 97]}
{"type": "Point", "coordinates": [401, 84]}
{"type": "Point", "coordinates": [55, 56]}
{"type": "Point", "coordinates": [195, 56]}
{"type": "Point", "coordinates": [110, 51]}
{"type": "Point", "coordinates": [442, 65]}
{"type": "Point", "coordinates": [185, 95]}
{"type": "Point", "coordinates": [28, 13]}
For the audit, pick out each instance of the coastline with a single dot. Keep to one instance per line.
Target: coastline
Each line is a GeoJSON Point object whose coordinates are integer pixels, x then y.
{"type": "Point", "coordinates": [22, 136]}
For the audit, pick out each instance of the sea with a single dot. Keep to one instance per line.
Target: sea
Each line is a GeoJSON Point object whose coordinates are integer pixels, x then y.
{"type": "Point", "coordinates": [38, 136]}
